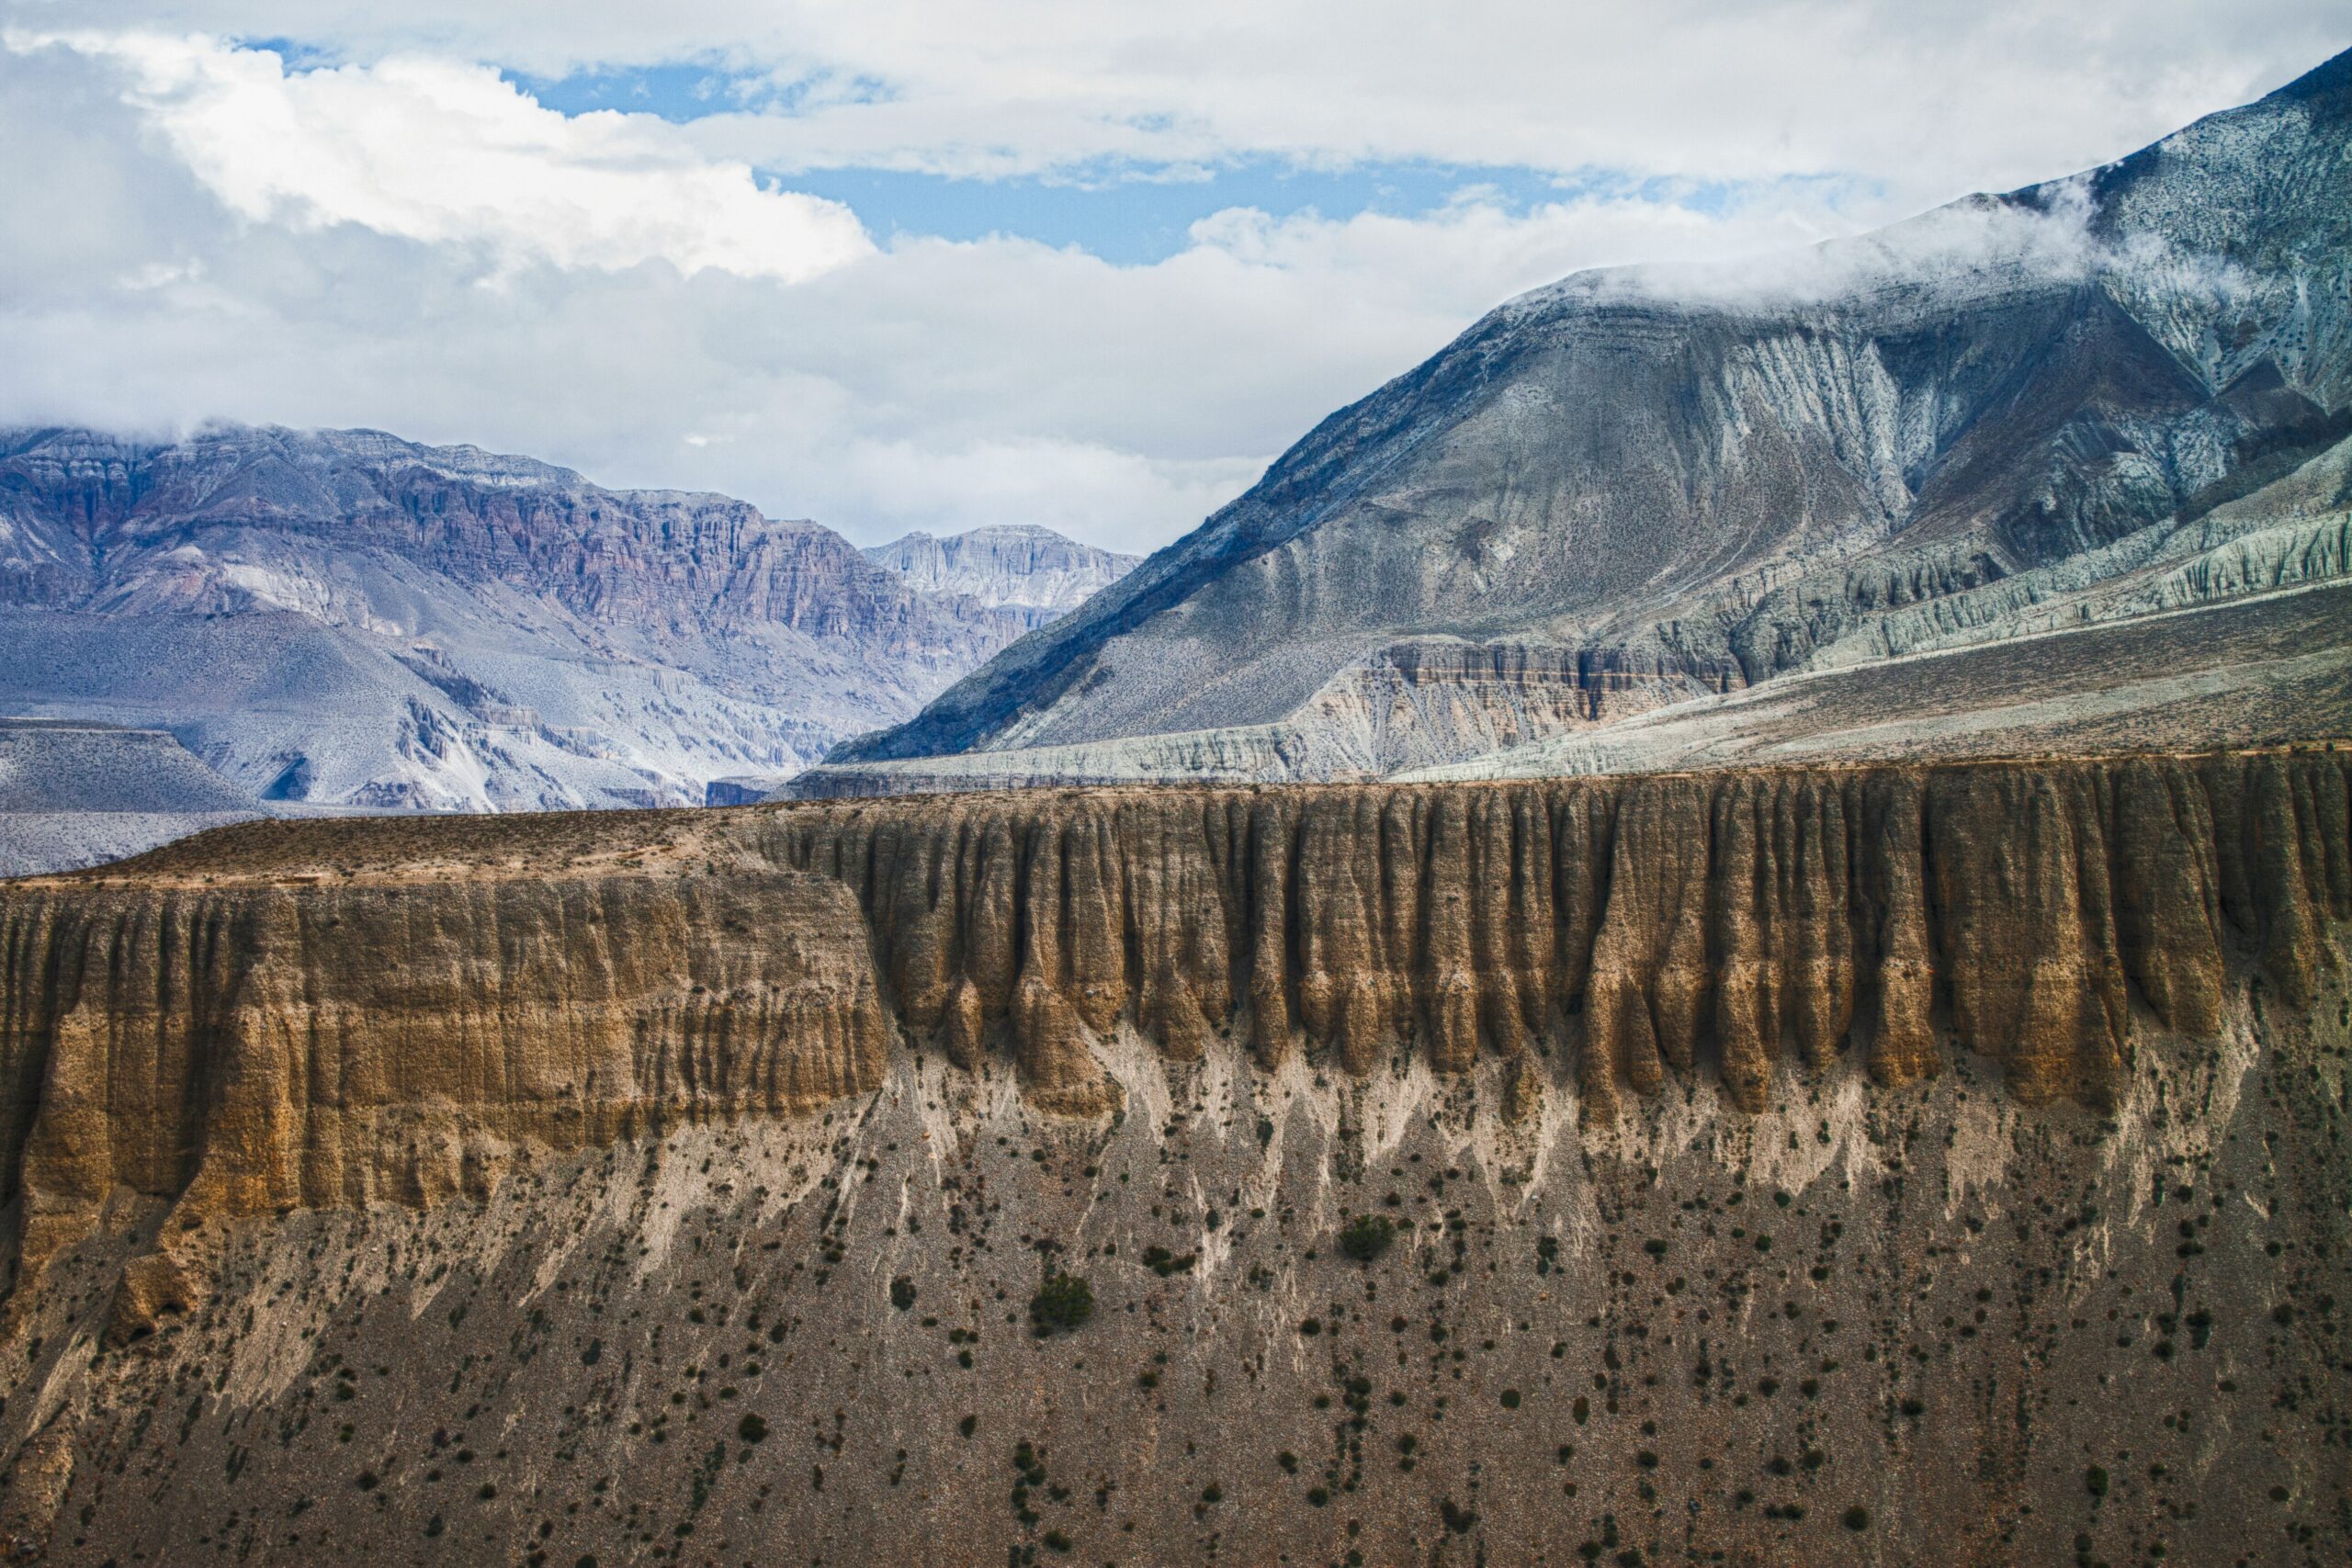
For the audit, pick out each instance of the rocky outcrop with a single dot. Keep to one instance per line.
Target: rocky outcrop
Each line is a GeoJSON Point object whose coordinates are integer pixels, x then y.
{"type": "Point", "coordinates": [747, 791]}
{"type": "Point", "coordinates": [1643, 926]}
{"type": "Point", "coordinates": [326, 1014]}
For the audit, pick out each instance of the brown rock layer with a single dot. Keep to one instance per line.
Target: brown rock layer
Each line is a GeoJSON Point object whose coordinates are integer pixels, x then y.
{"type": "Point", "coordinates": [251, 1049]}
{"type": "Point", "coordinates": [1727, 922]}
{"type": "Point", "coordinates": [333, 1014]}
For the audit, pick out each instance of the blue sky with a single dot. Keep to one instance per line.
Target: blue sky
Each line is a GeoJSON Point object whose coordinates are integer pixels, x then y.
{"type": "Point", "coordinates": [1123, 212]}
{"type": "Point", "coordinates": [912, 265]}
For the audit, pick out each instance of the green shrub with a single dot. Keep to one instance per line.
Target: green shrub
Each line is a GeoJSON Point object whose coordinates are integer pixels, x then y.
{"type": "Point", "coordinates": [750, 1429]}
{"type": "Point", "coordinates": [902, 1293]}
{"type": "Point", "coordinates": [1062, 1303]}
{"type": "Point", "coordinates": [1366, 1237]}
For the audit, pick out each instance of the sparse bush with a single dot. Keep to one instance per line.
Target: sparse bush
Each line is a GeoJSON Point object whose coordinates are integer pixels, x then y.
{"type": "Point", "coordinates": [750, 1429]}
{"type": "Point", "coordinates": [902, 1293]}
{"type": "Point", "coordinates": [1366, 1237]}
{"type": "Point", "coordinates": [1062, 1303]}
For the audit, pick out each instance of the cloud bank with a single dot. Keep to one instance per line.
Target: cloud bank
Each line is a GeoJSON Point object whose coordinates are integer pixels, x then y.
{"type": "Point", "coordinates": [370, 223]}
{"type": "Point", "coordinates": [446, 153]}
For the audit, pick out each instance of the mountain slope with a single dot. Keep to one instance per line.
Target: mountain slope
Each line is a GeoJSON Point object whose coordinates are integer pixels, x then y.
{"type": "Point", "coordinates": [74, 795]}
{"type": "Point", "coordinates": [1642, 486]}
{"type": "Point", "coordinates": [1018, 566]}
{"type": "Point", "coordinates": [342, 616]}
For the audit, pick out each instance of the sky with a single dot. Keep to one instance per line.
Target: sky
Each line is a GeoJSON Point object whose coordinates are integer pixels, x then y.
{"type": "Point", "coordinates": [894, 265]}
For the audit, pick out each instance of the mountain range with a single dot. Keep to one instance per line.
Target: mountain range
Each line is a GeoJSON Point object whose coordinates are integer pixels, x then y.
{"type": "Point", "coordinates": [2099, 407]}
{"type": "Point", "coordinates": [2066, 468]}
{"type": "Point", "coordinates": [343, 619]}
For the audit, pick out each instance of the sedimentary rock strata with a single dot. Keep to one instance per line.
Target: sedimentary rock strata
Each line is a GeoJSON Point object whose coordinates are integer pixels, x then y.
{"type": "Point", "coordinates": [283, 1015]}
{"type": "Point", "coordinates": [257, 1049]}
{"type": "Point", "coordinates": [1827, 1166]}
{"type": "Point", "coordinates": [1724, 922]}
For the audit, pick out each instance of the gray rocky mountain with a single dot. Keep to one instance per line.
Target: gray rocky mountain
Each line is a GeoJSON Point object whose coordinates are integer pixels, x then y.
{"type": "Point", "coordinates": [74, 795]}
{"type": "Point", "coordinates": [2118, 394]}
{"type": "Point", "coordinates": [343, 618]}
{"type": "Point", "coordinates": [1021, 566]}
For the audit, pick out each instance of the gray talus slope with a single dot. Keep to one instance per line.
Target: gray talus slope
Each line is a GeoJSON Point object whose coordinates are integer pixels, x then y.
{"type": "Point", "coordinates": [349, 618]}
{"type": "Point", "coordinates": [74, 795]}
{"type": "Point", "coordinates": [1636, 487]}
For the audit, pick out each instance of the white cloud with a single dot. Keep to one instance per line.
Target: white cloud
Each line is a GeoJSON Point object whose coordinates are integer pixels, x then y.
{"type": "Point", "coordinates": [1933, 98]}
{"type": "Point", "coordinates": [933, 384]}
{"type": "Point", "coordinates": [190, 231]}
{"type": "Point", "coordinates": [449, 154]}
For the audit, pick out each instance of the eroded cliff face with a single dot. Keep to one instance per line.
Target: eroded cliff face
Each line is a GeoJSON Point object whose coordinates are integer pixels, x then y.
{"type": "Point", "coordinates": [1637, 927]}
{"type": "Point", "coordinates": [322, 1137]}
{"type": "Point", "coordinates": [286, 1015]}
{"type": "Point", "coordinates": [256, 1049]}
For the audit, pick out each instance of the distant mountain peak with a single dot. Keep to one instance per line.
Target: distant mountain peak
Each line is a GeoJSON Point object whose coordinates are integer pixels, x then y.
{"type": "Point", "coordinates": [347, 618]}
{"type": "Point", "coordinates": [1645, 485]}
{"type": "Point", "coordinates": [1020, 566]}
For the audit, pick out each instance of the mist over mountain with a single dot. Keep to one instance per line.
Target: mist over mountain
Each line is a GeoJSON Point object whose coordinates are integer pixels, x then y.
{"type": "Point", "coordinates": [2084, 402]}
{"type": "Point", "coordinates": [346, 619]}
